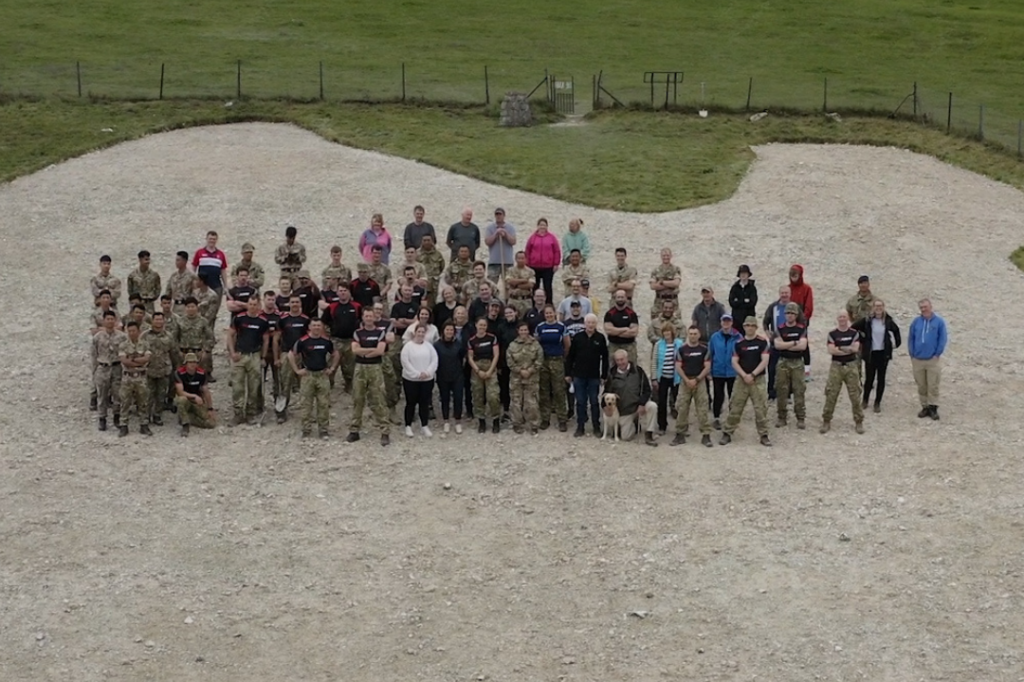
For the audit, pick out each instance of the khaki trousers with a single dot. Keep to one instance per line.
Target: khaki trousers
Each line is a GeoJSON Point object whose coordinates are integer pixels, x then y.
{"type": "Point", "coordinates": [927, 374]}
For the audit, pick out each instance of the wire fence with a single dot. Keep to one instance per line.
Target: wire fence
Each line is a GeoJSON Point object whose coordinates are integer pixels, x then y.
{"type": "Point", "coordinates": [485, 84]}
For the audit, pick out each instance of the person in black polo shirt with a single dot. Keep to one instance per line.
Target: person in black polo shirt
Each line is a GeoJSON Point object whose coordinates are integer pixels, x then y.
{"type": "Point", "coordinates": [750, 360]}
{"type": "Point", "coordinates": [483, 354]}
{"type": "Point", "coordinates": [368, 346]}
{"type": "Point", "coordinates": [239, 295]}
{"type": "Point", "coordinates": [309, 293]}
{"type": "Point", "coordinates": [364, 290]}
{"type": "Point", "coordinates": [535, 315]}
{"type": "Point", "coordinates": [790, 343]}
{"type": "Point", "coordinates": [192, 396]}
{"type": "Point", "coordinates": [248, 342]}
{"type": "Point", "coordinates": [693, 363]}
{"type": "Point", "coordinates": [319, 361]}
{"type": "Point", "coordinates": [586, 364]}
{"type": "Point", "coordinates": [341, 319]}
{"type": "Point", "coordinates": [293, 326]}
{"type": "Point", "coordinates": [844, 347]}
{"type": "Point", "coordinates": [622, 325]}
{"type": "Point", "coordinates": [329, 294]}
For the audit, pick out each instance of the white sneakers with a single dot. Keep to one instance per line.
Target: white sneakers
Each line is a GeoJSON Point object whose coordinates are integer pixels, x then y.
{"type": "Point", "coordinates": [447, 427]}
{"type": "Point", "coordinates": [458, 428]}
{"type": "Point", "coordinates": [408, 431]}
{"type": "Point", "coordinates": [427, 432]}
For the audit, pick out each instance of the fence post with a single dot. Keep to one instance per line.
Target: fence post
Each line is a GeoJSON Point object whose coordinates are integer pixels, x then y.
{"type": "Point", "coordinates": [238, 80]}
{"type": "Point", "coordinates": [487, 87]}
{"type": "Point", "coordinates": [78, 73]}
{"type": "Point", "coordinates": [321, 80]}
{"type": "Point", "coordinates": [750, 87]}
{"type": "Point", "coordinates": [403, 81]}
{"type": "Point", "coordinates": [949, 114]}
{"type": "Point", "coordinates": [915, 99]}
{"type": "Point", "coordinates": [1020, 133]}
{"type": "Point", "coordinates": [161, 81]}
{"type": "Point", "coordinates": [593, 95]}
{"type": "Point", "coordinates": [981, 122]}
{"type": "Point", "coordinates": [824, 105]}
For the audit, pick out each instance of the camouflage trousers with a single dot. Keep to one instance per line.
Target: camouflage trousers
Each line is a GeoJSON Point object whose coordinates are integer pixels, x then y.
{"type": "Point", "coordinates": [630, 349]}
{"type": "Point", "coordinates": [486, 396]}
{"type": "Point", "coordinates": [368, 386]}
{"type": "Point", "coordinates": [698, 395]}
{"type": "Point", "coordinates": [392, 369]}
{"type": "Point", "coordinates": [315, 393]}
{"type": "Point", "coordinates": [838, 376]}
{"type": "Point", "coordinates": [107, 380]}
{"type": "Point", "coordinates": [158, 387]}
{"type": "Point", "coordinates": [134, 393]}
{"type": "Point", "coordinates": [789, 379]}
{"type": "Point", "coordinates": [348, 361]}
{"type": "Point", "coordinates": [551, 389]}
{"type": "Point", "coordinates": [524, 400]}
{"type": "Point", "coordinates": [275, 383]}
{"type": "Point", "coordinates": [192, 414]}
{"type": "Point", "coordinates": [756, 393]}
{"type": "Point", "coordinates": [245, 384]}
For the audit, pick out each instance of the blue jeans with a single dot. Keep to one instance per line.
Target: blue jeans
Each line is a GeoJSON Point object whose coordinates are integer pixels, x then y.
{"type": "Point", "coordinates": [773, 362]}
{"type": "Point", "coordinates": [586, 392]}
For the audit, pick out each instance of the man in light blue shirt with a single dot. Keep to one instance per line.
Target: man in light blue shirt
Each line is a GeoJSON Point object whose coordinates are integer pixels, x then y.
{"type": "Point", "coordinates": [926, 343]}
{"type": "Point", "coordinates": [500, 238]}
{"type": "Point", "coordinates": [565, 307]}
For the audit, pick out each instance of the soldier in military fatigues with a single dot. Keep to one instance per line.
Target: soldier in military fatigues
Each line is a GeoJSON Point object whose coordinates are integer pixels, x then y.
{"type": "Point", "coordinates": [750, 360]}
{"type": "Point", "coordinates": [192, 396]}
{"type": "Point", "coordinates": [106, 364]}
{"type": "Point", "coordinates": [844, 347]}
{"type": "Point", "coordinates": [144, 282]}
{"type": "Point", "coordinates": [379, 271]}
{"type": "Point", "coordinates": [519, 284]}
{"type": "Point", "coordinates": [161, 346]}
{"type": "Point", "coordinates": [290, 255]}
{"type": "Point", "coordinates": [134, 356]}
{"type": "Point", "coordinates": [96, 318]}
{"type": "Point", "coordinates": [665, 282]}
{"type": "Point", "coordinates": [196, 336]}
{"type": "Point", "coordinates": [335, 269]}
{"type": "Point", "coordinates": [368, 345]}
{"type": "Point", "coordinates": [105, 281]}
{"type": "Point", "coordinates": [860, 304]}
{"type": "Point", "coordinates": [623, 276]}
{"type": "Point", "coordinates": [459, 272]}
{"type": "Point", "coordinates": [433, 264]}
{"type": "Point", "coordinates": [524, 360]}
{"type": "Point", "coordinates": [209, 303]}
{"type": "Point", "coordinates": [171, 324]}
{"type": "Point", "coordinates": [257, 275]}
{"type": "Point", "coordinates": [667, 315]}
{"type": "Point", "coordinates": [576, 269]}
{"type": "Point", "coordinates": [181, 283]}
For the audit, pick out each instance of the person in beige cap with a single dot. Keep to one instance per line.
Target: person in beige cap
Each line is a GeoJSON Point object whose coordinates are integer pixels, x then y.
{"type": "Point", "coordinates": [257, 275]}
{"type": "Point", "coordinates": [192, 399]}
{"type": "Point", "coordinates": [790, 342]}
{"type": "Point", "coordinates": [707, 315]}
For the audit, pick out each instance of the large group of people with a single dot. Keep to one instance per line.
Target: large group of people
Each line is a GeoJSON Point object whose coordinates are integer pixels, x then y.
{"type": "Point", "coordinates": [507, 331]}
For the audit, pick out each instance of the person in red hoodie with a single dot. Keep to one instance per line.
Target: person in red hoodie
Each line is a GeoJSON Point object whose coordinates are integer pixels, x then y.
{"type": "Point", "coordinates": [802, 294]}
{"type": "Point", "coordinates": [543, 254]}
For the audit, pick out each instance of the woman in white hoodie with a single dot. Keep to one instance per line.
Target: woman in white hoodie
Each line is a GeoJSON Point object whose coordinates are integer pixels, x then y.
{"type": "Point", "coordinates": [419, 365]}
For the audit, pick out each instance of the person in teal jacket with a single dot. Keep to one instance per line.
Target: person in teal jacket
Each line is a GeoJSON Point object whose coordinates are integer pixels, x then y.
{"type": "Point", "coordinates": [575, 238]}
{"type": "Point", "coordinates": [723, 376]}
{"type": "Point", "coordinates": [664, 376]}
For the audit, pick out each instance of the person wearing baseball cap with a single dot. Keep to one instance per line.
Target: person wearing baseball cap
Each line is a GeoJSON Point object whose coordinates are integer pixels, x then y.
{"type": "Point", "coordinates": [790, 342]}
{"type": "Point", "coordinates": [192, 396]}
{"type": "Point", "coordinates": [750, 360]}
{"type": "Point", "coordinates": [743, 294]}
{"type": "Point", "coordinates": [861, 304]}
{"type": "Point", "coordinates": [257, 275]}
{"type": "Point", "coordinates": [500, 238]}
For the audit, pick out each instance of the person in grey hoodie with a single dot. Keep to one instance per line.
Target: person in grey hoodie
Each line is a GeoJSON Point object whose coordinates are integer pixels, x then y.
{"type": "Point", "coordinates": [707, 315]}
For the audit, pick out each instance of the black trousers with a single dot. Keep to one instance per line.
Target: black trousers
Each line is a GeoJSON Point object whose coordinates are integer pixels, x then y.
{"type": "Point", "coordinates": [467, 389]}
{"type": "Point", "coordinates": [504, 388]}
{"type": "Point", "coordinates": [451, 397]}
{"type": "Point", "coordinates": [667, 392]}
{"type": "Point", "coordinates": [545, 276]}
{"type": "Point", "coordinates": [417, 394]}
{"type": "Point", "coordinates": [773, 363]}
{"type": "Point", "coordinates": [876, 365]}
{"type": "Point", "coordinates": [722, 386]}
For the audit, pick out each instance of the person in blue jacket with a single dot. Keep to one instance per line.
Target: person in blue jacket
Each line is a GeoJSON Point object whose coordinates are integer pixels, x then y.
{"type": "Point", "coordinates": [664, 377]}
{"type": "Point", "coordinates": [926, 342]}
{"type": "Point", "coordinates": [723, 376]}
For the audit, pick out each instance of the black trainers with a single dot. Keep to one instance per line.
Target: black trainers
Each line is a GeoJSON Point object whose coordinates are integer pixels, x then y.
{"type": "Point", "coordinates": [481, 426]}
{"type": "Point", "coordinates": [117, 420]}
{"type": "Point", "coordinates": [496, 426]}
{"type": "Point", "coordinates": [93, 403]}
{"type": "Point", "coordinates": [725, 439]}
{"type": "Point", "coordinates": [680, 439]}
{"type": "Point", "coordinates": [649, 439]}
{"type": "Point", "coordinates": [144, 430]}
{"type": "Point", "coordinates": [597, 430]}
{"type": "Point", "coordinates": [765, 441]}
{"type": "Point", "coordinates": [705, 440]}
{"type": "Point", "coordinates": [934, 414]}
{"type": "Point", "coordinates": [926, 411]}
{"type": "Point", "coordinates": [157, 420]}
{"type": "Point", "coordinates": [184, 430]}
{"type": "Point", "coordinates": [878, 408]}
{"type": "Point", "coordinates": [122, 431]}
{"type": "Point", "coordinates": [385, 440]}
{"type": "Point", "coordinates": [562, 426]}
{"type": "Point", "coordinates": [103, 423]}
{"type": "Point", "coordinates": [579, 432]}
{"type": "Point", "coordinates": [352, 437]}
{"type": "Point", "coordinates": [534, 431]}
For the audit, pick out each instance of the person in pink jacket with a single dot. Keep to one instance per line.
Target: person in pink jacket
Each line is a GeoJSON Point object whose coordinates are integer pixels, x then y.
{"type": "Point", "coordinates": [544, 255]}
{"type": "Point", "coordinates": [378, 235]}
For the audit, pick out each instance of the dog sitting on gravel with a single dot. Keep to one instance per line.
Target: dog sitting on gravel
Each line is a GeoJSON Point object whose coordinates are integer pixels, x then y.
{"type": "Point", "coordinates": [610, 416]}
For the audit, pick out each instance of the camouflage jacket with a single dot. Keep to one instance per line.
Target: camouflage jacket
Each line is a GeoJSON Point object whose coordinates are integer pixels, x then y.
{"type": "Point", "coordinates": [524, 355]}
{"type": "Point", "coordinates": [180, 285]}
{"type": "Point", "coordinates": [342, 272]}
{"type": "Point", "coordinates": [162, 347]}
{"type": "Point", "coordinates": [195, 332]}
{"type": "Point", "coordinates": [105, 346]}
{"type": "Point", "coordinates": [663, 273]}
{"type": "Point", "coordinates": [145, 284]}
{"type": "Point", "coordinates": [110, 283]}
{"type": "Point", "coordinates": [257, 275]}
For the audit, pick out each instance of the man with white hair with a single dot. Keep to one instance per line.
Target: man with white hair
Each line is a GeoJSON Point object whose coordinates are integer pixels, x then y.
{"type": "Point", "coordinates": [464, 233]}
{"type": "Point", "coordinates": [630, 383]}
{"type": "Point", "coordinates": [586, 365]}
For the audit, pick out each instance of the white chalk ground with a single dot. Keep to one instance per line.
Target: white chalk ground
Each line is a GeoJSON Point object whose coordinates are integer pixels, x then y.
{"type": "Point", "coordinates": [245, 554]}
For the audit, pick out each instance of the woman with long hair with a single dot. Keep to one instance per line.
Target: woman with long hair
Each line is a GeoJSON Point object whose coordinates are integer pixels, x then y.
{"type": "Point", "coordinates": [451, 358]}
{"type": "Point", "coordinates": [544, 255]}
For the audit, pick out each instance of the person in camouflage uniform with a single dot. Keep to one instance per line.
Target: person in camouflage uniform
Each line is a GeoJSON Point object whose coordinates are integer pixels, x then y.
{"type": "Point", "coordinates": [433, 264]}
{"type": "Point", "coordinates": [194, 404]}
{"type": "Point", "coordinates": [844, 347]}
{"type": "Point", "coordinates": [97, 316]}
{"type": "Point", "coordinates": [257, 275]}
{"type": "Point", "coordinates": [623, 276]}
{"type": "Point", "coordinates": [665, 282]}
{"type": "Point", "coordinates": [144, 282]}
{"type": "Point", "coordinates": [248, 341]}
{"type": "Point", "coordinates": [137, 314]}
{"type": "Point", "coordinates": [196, 336]}
{"type": "Point", "coordinates": [484, 382]}
{"type": "Point", "coordinates": [459, 272]}
{"type": "Point", "coordinates": [391, 378]}
{"type": "Point", "coordinates": [335, 269]}
{"type": "Point", "coordinates": [104, 281]}
{"type": "Point", "coordinates": [319, 362]}
{"type": "Point", "coordinates": [471, 288]}
{"type": "Point", "coordinates": [171, 324]}
{"type": "Point", "coordinates": [750, 360]}
{"type": "Point", "coordinates": [161, 345]}
{"type": "Point", "coordinates": [134, 356]}
{"type": "Point", "coordinates": [181, 283]}
{"type": "Point", "coordinates": [368, 345]}
{"type": "Point", "coordinates": [860, 304]}
{"type": "Point", "coordinates": [379, 270]}
{"type": "Point", "coordinates": [524, 361]}
{"type": "Point", "coordinates": [667, 315]}
{"type": "Point", "coordinates": [576, 269]}
{"type": "Point", "coordinates": [519, 284]}
{"type": "Point", "coordinates": [419, 274]}
{"type": "Point", "coordinates": [209, 302]}
{"type": "Point", "coordinates": [290, 255]}
{"type": "Point", "coordinates": [106, 374]}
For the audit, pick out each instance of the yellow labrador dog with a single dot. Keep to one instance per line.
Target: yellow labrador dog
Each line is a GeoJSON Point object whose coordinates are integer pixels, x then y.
{"type": "Point", "coordinates": [610, 416]}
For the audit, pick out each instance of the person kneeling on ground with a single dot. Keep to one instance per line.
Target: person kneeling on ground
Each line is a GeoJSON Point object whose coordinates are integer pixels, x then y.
{"type": "Point", "coordinates": [630, 383]}
{"type": "Point", "coordinates": [193, 401]}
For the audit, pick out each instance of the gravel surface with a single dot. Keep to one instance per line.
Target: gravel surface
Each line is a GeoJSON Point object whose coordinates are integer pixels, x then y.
{"type": "Point", "coordinates": [246, 554]}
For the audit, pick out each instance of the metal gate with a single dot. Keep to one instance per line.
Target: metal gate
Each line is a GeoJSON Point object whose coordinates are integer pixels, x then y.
{"type": "Point", "coordinates": [564, 95]}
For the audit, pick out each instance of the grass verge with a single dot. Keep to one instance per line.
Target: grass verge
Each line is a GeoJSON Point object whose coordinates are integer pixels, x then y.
{"type": "Point", "coordinates": [1017, 257]}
